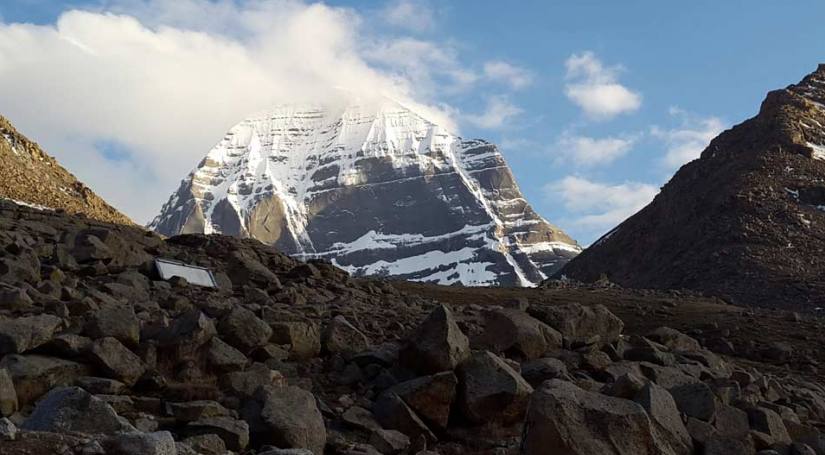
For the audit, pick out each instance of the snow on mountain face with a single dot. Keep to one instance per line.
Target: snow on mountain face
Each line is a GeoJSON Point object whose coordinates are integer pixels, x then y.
{"type": "Point", "coordinates": [376, 189]}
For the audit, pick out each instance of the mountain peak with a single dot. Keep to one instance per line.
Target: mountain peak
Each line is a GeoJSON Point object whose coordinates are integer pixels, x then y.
{"type": "Point", "coordinates": [376, 188]}
{"type": "Point", "coordinates": [745, 221]}
{"type": "Point", "coordinates": [30, 176]}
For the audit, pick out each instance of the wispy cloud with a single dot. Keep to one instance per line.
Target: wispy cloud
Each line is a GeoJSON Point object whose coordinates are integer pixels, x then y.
{"type": "Point", "coordinates": [685, 143]}
{"type": "Point", "coordinates": [597, 206]}
{"type": "Point", "coordinates": [409, 14]}
{"type": "Point", "coordinates": [514, 76]}
{"type": "Point", "coordinates": [498, 112]}
{"type": "Point", "coordinates": [594, 87]}
{"type": "Point", "coordinates": [588, 151]}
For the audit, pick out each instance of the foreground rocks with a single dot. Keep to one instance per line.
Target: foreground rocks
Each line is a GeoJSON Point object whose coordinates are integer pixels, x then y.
{"type": "Point", "coordinates": [99, 355]}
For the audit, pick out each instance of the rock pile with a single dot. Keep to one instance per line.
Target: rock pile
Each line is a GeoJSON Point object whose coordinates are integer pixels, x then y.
{"type": "Point", "coordinates": [98, 355]}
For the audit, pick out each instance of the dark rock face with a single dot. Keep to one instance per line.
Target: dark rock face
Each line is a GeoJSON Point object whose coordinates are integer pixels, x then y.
{"type": "Point", "coordinates": [375, 188]}
{"type": "Point", "coordinates": [745, 221]}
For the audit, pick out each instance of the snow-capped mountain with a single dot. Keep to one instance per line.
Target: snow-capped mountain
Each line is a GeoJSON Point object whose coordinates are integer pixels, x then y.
{"type": "Point", "coordinates": [375, 188]}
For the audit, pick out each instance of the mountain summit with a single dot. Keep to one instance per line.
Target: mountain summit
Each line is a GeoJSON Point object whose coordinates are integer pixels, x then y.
{"type": "Point", "coordinates": [745, 221]}
{"type": "Point", "coordinates": [374, 187]}
{"type": "Point", "coordinates": [30, 176]}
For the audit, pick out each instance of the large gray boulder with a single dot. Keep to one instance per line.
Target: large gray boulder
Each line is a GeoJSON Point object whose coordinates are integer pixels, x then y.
{"type": "Point", "coordinates": [668, 427]}
{"type": "Point", "coordinates": [243, 330]}
{"type": "Point", "coordinates": [8, 395]}
{"type": "Point", "coordinates": [116, 361]}
{"type": "Point", "coordinates": [518, 334]}
{"type": "Point", "coordinates": [156, 443]}
{"type": "Point", "coordinates": [72, 409]}
{"type": "Point", "coordinates": [340, 336]}
{"type": "Point", "coordinates": [491, 390]}
{"type": "Point", "coordinates": [34, 375]}
{"type": "Point", "coordinates": [286, 417]}
{"type": "Point", "coordinates": [438, 344]}
{"type": "Point", "coordinates": [116, 322]}
{"type": "Point", "coordinates": [579, 323]}
{"type": "Point", "coordinates": [304, 338]}
{"type": "Point", "coordinates": [19, 335]}
{"type": "Point", "coordinates": [565, 419]}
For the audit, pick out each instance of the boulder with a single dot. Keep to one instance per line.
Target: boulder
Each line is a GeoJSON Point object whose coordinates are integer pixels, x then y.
{"type": "Point", "coordinates": [437, 345]}
{"type": "Point", "coordinates": [245, 383]}
{"type": "Point", "coordinates": [430, 397]}
{"type": "Point", "coordinates": [8, 396]}
{"type": "Point", "coordinates": [391, 411]}
{"type": "Point", "coordinates": [563, 418]}
{"type": "Point", "coordinates": [157, 443]}
{"type": "Point", "coordinates": [518, 334]}
{"type": "Point", "coordinates": [769, 422]}
{"type": "Point", "coordinates": [287, 417]}
{"type": "Point", "coordinates": [34, 375]}
{"type": "Point", "coordinates": [192, 328]}
{"type": "Point", "coordinates": [674, 339]}
{"type": "Point", "coordinates": [205, 444]}
{"type": "Point", "coordinates": [668, 428]}
{"type": "Point", "coordinates": [191, 411]}
{"type": "Point", "coordinates": [339, 336]}
{"type": "Point", "coordinates": [696, 400]}
{"type": "Point", "coordinates": [491, 390]}
{"type": "Point", "coordinates": [304, 338]}
{"type": "Point", "coordinates": [389, 441]}
{"type": "Point", "coordinates": [116, 360]}
{"type": "Point", "coordinates": [224, 357]}
{"type": "Point", "coordinates": [19, 335]}
{"type": "Point", "coordinates": [233, 432]}
{"type": "Point", "coordinates": [537, 371]}
{"type": "Point", "coordinates": [358, 417]}
{"type": "Point", "coordinates": [243, 330]}
{"type": "Point", "coordinates": [578, 323]}
{"type": "Point", "coordinates": [116, 322]}
{"type": "Point", "coordinates": [72, 409]}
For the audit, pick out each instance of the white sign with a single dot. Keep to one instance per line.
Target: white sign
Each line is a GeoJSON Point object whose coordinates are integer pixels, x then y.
{"type": "Point", "coordinates": [192, 273]}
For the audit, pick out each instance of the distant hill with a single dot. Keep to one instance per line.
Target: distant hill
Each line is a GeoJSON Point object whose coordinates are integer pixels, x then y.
{"type": "Point", "coordinates": [28, 175]}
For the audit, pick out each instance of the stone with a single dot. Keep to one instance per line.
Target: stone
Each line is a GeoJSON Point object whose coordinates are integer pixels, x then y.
{"type": "Point", "coordinates": [537, 371]}
{"type": "Point", "coordinates": [722, 445]}
{"type": "Point", "coordinates": [287, 417]}
{"type": "Point", "coordinates": [731, 421]}
{"type": "Point", "coordinates": [192, 328]}
{"type": "Point", "coordinates": [674, 339]}
{"type": "Point", "coordinates": [696, 400]}
{"type": "Point", "coordinates": [304, 338]}
{"type": "Point", "coordinates": [116, 360]}
{"type": "Point", "coordinates": [700, 431]}
{"type": "Point", "coordinates": [95, 385]}
{"type": "Point", "coordinates": [243, 330]}
{"type": "Point", "coordinates": [206, 444]}
{"type": "Point", "coordinates": [431, 397]}
{"type": "Point", "coordinates": [191, 411]}
{"type": "Point", "coordinates": [116, 322]}
{"type": "Point", "coordinates": [517, 334]}
{"type": "Point", "coordinates": [490, 390]}
{"type": "Point", "coordinates": [8, 395]}
{"type": "Point", "coordinates": [562, 418]}
{"type": "Point", "coordinates": [72, 409]}
{"type": "Point", "coordinates": [34, 375]}
{"type": "Point", "coordinates": [223, 357]}
{"type": "Point", "coordinates": [626, 386]}
{"type": "Point", "coordinates": [340, 336]}
{"type": "Point", "coordinates": [391, 411]}
{"type": "Point", "coordinates": [19, 335]}
{"type": "Point", "coordinates": [8, 430]}
{"type": "Point", "coordinates": [245, 383]}
{"type": "Point", "coordinates": [156, 443]}
{"type": "Point", "coordinates": [233, 432]}
{"type": "Point", "coordinates": [769, 422]}
{"type": "Point", "coordinates": [668, 428]}
{"type": "Point", "coordinates": [437, 345]}
{"type": "Point", "coordinates": [389, 441]}
{"type": "Point", "coordinates": [358, 417]}
{"type": "Point", "coordinates": [577, 322]}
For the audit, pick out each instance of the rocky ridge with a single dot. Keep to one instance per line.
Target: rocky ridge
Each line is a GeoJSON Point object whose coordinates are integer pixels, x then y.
{"type": "Point", "coordinates": [99, 355]}
{"type": "Point", "coordinates": [744, 222]}
{"type": "Point", "coordinates": [31, 176]}
{"type": "Point", "coordinates": [377, 189]}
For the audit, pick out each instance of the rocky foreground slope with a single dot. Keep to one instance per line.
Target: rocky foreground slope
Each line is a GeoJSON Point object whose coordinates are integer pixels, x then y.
{"type": "Point", "coordinates": [745, 221]}
{"type": "Point", "coordinates": [99, 355]}
{"type": "Point", "coordinates": [29, 175]}
{"type": "Point", "coordinates": [374, 187]}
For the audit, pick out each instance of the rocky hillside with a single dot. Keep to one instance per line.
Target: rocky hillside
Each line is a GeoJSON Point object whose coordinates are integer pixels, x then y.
{"type": "Point", "coordinates": [31, 176]}
{"type": "Point", "coordinates": [98, 355]}
{"type": "Point", "coordinates": [746, 221]}
{"type": "Point", "coordinates": [377, 189]}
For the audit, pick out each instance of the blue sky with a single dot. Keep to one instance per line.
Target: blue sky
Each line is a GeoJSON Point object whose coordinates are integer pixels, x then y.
{"type": "Point", "coordinates": [593, 103]}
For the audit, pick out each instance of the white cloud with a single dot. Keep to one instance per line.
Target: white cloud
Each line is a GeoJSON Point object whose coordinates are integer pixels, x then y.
{"type": "Point", "coordinates": [588, 151]}
{"type": "Point", "coordinates": [599, 206]}
{"type": "Point", "coordinates": [409, 14]}
{"type": "Point", "coordinates": [686, 143]}
{"type": "Point", "coordinates": [595, 88]}
{"type": "Point", "coordinates": [166, 78]}
{"type": "Point", "coordinates": [512, 75]}
{"type": "Point", "coordinates": [498, 112]}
